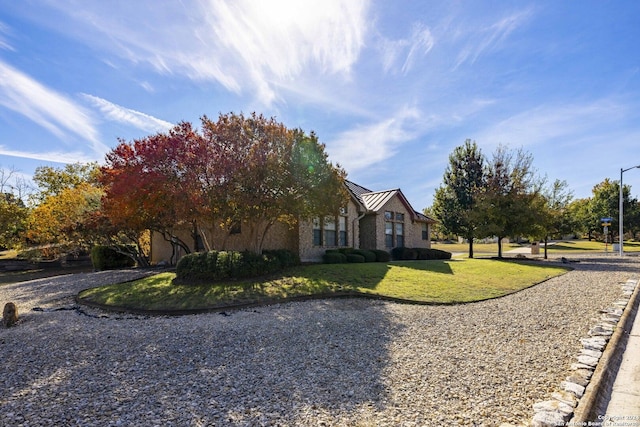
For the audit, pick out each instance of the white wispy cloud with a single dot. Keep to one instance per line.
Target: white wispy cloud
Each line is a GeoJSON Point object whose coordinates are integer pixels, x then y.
{"type": "Point", "coordinates": [49, 109]}
{"type": "Point", "coordinates": [402, 53]}
{"type": "Point", "coordinates": [128, 116]}
{"type": "Point", "coordinates": [244, 45]}
{"type": "Point", "coordinates": [565, 123]}
{"type": "Point", "coordinates": [486, 39]}
{"type": "Point", "coordinates": [51, 156]}
{"type": "Point", "coordinates": [364, 146]}
{"type": "Point", "coordinates": [4, 44]}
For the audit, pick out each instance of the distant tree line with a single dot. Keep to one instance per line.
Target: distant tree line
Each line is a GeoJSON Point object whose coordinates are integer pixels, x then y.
{"type": "Point", "coordinates": [502, 196]}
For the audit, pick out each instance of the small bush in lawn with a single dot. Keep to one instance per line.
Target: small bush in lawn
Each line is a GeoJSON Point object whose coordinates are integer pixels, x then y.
{"type": "Point", "coordinates": [106, 258]}
{"type": "Point", "coordinates": [334, 257]}
{"type": "Point", "coordinates": [355, 258]}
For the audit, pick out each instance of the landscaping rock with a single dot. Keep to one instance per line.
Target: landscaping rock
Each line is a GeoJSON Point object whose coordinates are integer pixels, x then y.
{"type": "Point", "coordinates": [9, 315]}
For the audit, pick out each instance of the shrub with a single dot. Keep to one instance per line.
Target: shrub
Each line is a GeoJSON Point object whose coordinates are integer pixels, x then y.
{"type": "Point", "coordinates": [369, 256]}
{"type": "Point", "coordinates": [382, 256]}
{"type": "Point", "coordinates": [334, 257]}
{"type": "Point", "coordinates": [106, 258]}
{"type": "Point", "coordinates": [221, 265]}
{"type": "Point", "coordinates": [419, 253]}
{"type": "Point", "coordinates": [286, 257]}
{"type": "Point", "coordinates": [355, 258]}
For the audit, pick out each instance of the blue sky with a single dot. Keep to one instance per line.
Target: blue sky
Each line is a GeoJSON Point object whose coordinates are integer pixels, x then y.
{"type": "Point", "coordinates": [391, 87]}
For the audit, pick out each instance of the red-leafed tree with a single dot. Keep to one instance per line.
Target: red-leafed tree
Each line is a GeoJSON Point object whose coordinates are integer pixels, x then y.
{"type": "Point", "coordinates": [149, 184]}
{"type": "Point", "coordinates": [267, 173]}
{"type": "Point", "coordinates": [239, 170]}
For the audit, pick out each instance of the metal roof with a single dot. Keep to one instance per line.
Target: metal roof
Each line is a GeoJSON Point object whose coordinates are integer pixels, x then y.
{"type": "Point", "coordinates": [373, 201]}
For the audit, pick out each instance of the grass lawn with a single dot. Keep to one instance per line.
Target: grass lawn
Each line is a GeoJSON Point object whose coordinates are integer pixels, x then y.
{"type": "Point", "coordinates": [451, 281]}
{"type": "Point", "coordinates": [569, 246]}
{"type": "Point", "coordinates": [478, 248]}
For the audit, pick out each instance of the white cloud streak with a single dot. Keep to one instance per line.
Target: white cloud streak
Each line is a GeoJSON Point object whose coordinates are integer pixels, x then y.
{"type": "Point", "coordinates": [490, 38]}
{"type": "Point", "coordinates": [244, 45]}
{"type": "Point", "coordinates": [47, 108]}
{"type": "Point", "coordinates": [565, 124]}
{"type": "Point", "coordinates": [51, 156]}
{"type": "Point", "coordinates": [364, 146]}
{"type": "Point", "coordinates": [419, 43]}
{"type": "Point", "coordinates": [128, 116]}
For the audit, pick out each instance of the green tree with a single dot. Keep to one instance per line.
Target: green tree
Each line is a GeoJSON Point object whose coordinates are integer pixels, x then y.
{"type": "Point", "coordinates": [509, 199]}
{"type": "Point", "coordinates": [456, 200]}
{"type": "Point", "coordinates": [13, 216]}
{"type": "Point", "coordinates": [580, 213]}
{"type": "Point", "coordinates": [555, 218]}
{"type": "Point", "coordinates": [605, 202]}
{"type": "Point", "coordinates": [52, 181]}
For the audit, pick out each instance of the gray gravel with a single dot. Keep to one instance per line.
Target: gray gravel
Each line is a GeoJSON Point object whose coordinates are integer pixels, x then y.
{"type": "Point", "coordinates": [345, 362]}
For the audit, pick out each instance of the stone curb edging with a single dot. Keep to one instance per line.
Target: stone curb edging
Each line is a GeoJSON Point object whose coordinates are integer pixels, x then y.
{"type": "Point", "coordinates": [585, 393]}
{"type": "Point", "coordinates": [598, 392]}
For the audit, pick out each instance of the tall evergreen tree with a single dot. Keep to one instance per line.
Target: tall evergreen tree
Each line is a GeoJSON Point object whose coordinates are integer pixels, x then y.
{"type": "Point", "coordinates": [456, 199]}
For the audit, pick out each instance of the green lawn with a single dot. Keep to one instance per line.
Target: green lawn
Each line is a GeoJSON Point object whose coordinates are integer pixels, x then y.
{"type": "Point", "coordinates": [566, 246]}
{"type": "Point", "coordinates": [452, 281]}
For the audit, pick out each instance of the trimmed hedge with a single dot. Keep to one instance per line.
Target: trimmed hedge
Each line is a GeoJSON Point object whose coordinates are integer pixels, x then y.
{"type": "Point", "coordinates": [342, 255]}
{"type": "Point", "coordinates": [220, 265]}
{"type": "Point", "coordinates": [405, 254]}
{"type": "Point", "coordinates": [334, 257]}
{"type": "Point", "coordinates": [381, 256]}
{"type": "Point", "coordinates": [355, 258]}
{"type": "Point", "coordinates": [107, 258]}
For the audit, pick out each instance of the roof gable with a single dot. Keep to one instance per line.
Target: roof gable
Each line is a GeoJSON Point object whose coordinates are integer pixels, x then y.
{"type": "Point", "coordinates": [374, 201]}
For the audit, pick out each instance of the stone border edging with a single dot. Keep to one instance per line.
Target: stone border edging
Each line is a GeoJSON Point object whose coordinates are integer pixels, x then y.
{"type": "Point", "coordinates": [586, 393]}
{"type": "Point", "coordinates": [598, 392]}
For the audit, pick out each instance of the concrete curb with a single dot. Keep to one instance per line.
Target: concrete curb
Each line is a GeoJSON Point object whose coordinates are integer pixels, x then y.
{"type": "Point", "coordinates": [597, 394]}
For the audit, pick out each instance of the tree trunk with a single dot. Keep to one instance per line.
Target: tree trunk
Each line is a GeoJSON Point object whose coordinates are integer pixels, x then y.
{"type": "Point", "coordinates": [546, 239]}
{"type": "Point", "coordinates": [499, 247]}
{"type": "Point", "coordinates": [470, 247]}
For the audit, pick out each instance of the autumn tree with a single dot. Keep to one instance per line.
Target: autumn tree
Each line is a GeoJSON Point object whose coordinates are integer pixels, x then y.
{"type": "Point", "coordinates": [456, 200]}
{"type": "Point", "coordinates": [238, 170]}
{"type": "Point", "coordinates": [58, 221]}
{"type": "Point", "coordinates": [52, 181]}
{"type": "Point", "coordinates": [152, 184]}
{"type": "Point", "coordinates": [265, 173]}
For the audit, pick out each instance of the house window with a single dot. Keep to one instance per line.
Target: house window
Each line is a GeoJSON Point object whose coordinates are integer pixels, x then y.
{"type": "Point", "coordinates": [399, 234]}
{"type": "Point", "coordinates": [330, 231]}
{"type": "Point", "coordinates": [425, 232]}
{"type": "Point", "coordinates": [388, 234]}
{"type": "Point", "coordinates": [317, 232]}
{"type": "Point", "coordinates": [393, 229]}
{"type": "Point", "coordinates": [342, 226]}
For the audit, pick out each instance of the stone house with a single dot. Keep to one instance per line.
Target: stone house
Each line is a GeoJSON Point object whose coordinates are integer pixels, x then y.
{"type": "Point", "coordinates": [370, 220]}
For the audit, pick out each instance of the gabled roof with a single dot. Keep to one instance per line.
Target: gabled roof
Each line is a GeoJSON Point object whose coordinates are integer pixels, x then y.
{"type": "Point", "coordinates": [374, 201]}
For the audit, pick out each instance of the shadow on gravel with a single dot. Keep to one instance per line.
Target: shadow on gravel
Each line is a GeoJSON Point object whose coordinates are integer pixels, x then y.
{"type": "Point", "coordinates": [287, 364]}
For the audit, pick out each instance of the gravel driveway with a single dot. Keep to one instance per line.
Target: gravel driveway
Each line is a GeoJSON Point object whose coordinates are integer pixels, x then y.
{"type": "Point", "coordinates": [343, 362]}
